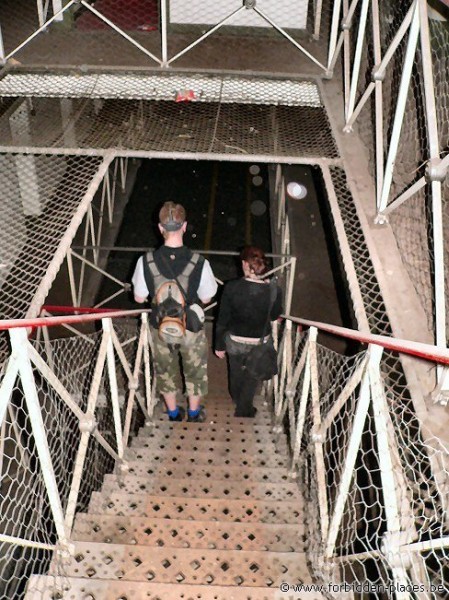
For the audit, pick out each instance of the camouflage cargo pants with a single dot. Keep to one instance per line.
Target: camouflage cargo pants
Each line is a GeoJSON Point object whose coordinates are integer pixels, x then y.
{"type": "Point", "coordinates": [193, 353]}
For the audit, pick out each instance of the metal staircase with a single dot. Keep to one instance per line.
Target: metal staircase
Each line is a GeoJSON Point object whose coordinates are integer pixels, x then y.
{"type": "Point", "coordinates": [202, 511]}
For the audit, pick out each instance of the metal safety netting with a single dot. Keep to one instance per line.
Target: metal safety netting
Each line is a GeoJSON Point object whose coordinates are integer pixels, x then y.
{"type": "Point", "coordinates": [152, 33]}
{"type": "Point", "coordinates": [374, 479]}
{"type": "Point", "coordinates": [217, 117]}
{"type": "Point", "coordinates": [67, 412]}
{"type": "Point", "coordinates": [405, 130]}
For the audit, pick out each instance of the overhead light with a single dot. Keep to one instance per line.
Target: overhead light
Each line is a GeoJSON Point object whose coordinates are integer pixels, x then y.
{"type": "Point", "coordinates": [296, 190]}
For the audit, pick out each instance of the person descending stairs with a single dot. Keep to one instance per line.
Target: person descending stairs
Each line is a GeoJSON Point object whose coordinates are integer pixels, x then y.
{"type": "Point", "coordinates": [205, 511]}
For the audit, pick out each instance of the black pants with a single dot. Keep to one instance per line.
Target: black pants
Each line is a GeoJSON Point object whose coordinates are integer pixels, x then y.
{"type": "Point", "coordinates": [242, 386]}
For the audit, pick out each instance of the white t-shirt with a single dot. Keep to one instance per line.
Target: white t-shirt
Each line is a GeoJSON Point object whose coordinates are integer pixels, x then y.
{"type": "Point", "coordinates": [206, 289]}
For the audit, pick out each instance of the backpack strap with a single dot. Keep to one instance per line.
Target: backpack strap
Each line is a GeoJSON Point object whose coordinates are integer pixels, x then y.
{"type": "Point", "coordinates": [183, 278]}
{"type": "Point", "coordinates": [153, 277]}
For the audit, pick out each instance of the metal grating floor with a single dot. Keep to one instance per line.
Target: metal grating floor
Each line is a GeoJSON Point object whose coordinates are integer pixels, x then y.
{"type": "Point", "coordinates": [205, 88]}
{"type": "Point", "coordinates": [227, 118]}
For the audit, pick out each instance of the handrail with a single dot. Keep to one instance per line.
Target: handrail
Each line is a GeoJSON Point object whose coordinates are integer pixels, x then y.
{"type": "Point", "coordinates": [52, 308]}
{"type": "Point", "coordinates": [53, 321]}
{"type": "Point", "coordinates": [418, 349]}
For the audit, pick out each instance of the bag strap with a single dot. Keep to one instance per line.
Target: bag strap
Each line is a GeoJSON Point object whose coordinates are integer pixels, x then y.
{"type": "Point", "coordinates": [273, 294]}
{"type": "Point", "coordinates": [187, 271]}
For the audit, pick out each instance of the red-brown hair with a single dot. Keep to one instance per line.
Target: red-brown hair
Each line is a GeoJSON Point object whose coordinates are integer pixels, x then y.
{"type": "Point", "coordinates": [255, 257]}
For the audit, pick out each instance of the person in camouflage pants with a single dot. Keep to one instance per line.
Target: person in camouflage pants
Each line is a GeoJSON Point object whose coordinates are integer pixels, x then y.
{"type": "Point", "coordinates": [171, 259]}
{"type": "Point", "coordinates": [193, 353]}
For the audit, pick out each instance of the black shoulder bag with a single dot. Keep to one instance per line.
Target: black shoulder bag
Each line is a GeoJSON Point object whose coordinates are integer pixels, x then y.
{"type": "Point", "coordinates": [262, 360]}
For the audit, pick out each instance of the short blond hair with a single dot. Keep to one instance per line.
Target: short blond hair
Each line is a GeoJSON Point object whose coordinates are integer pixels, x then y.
{"type": "Point", "coordinates": [172, 216]}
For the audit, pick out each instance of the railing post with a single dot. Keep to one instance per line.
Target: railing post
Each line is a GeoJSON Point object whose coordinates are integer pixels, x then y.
{"type": "Point", "coordinates": [19, 343]}
{"type": "Point", "coordinates": [164, 32]}
{"type": "Point", "coordinates": [317, 435]}
{"type": "Point", "coordinates": [395, 536]}
{"type": "Point", "coordinates": [107, 327]}
{"type": "Point", "coordinates": [400, 109]}
{"type": "Point", "coordinates": [87, 426]}
{"type": "Point", "coordinates": [358, 426]}
{"type": "Point", "coordinates": [134, 383]}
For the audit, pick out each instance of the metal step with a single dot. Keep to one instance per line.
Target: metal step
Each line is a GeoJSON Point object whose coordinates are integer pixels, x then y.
{"type": "Point", "coordinates": [218, 435]}
{"type": "Point", "coordinates": [226, 473]}
{"type": "Point", "coordinates": [225, 417]}
{"type": "Point", "coordinates": [187, 566]}
{"type": "Point", "coordinates": [230, 445]}
{"type": "Point", "coordinates": [200, 488]}
{"type": "Point", "coordinates": [77, 588]}
{"type": "Point", "coordinates": [210, 509]}
{"type": "Point", "coordinates": [244, 427]}
{"type": "Point", "coordinates": [182, 533]}
{"type": "Point", "coordinates": [171, 457]}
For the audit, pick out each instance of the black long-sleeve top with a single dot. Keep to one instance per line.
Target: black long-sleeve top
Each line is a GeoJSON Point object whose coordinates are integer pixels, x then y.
{"type": "Point", "coordinates": [244, 310]}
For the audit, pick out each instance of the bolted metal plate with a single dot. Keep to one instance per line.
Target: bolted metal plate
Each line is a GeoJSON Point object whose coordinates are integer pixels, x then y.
{"type": "Point", "coordinates": [187, 566]}
{"type": "Point", "coordinates": [222, 458]}
{"type": "Point", "coordinates": [189, 534]}
{"type": "Point", "coordinates": [200, 488]}
{"type": "Point", "coordinates": [211, 509]}
{"type": "Point", "coordinates": [72, 588]}
{"type": "Point", "coordinates": [226, 473]}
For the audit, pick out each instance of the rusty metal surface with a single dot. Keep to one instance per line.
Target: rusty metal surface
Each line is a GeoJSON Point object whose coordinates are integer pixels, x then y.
{"type": "Point", "coordinates": [188, 566]}
{"type": "Point", "coordinates": [200, 488]}
{"type": "Point", "coordinates": [212, 509]}
{"type": "Point", "coordinates": [222, 458]}
{"type": "Point", "coordinates": [274, 537]}
{"type": "Point", "coordinates": [42, 588]}
{"type": "Point", "coordinates": [227, 473]}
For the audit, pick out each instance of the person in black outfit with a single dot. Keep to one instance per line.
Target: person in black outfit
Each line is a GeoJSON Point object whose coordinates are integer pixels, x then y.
{"type": "Point", "coordinates": [241, 322]}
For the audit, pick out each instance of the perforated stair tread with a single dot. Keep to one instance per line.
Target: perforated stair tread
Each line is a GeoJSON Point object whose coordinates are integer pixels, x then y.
{"type": "Point", "coordinates": [200, 488]}
{"type": "Point", "coordinates": [210, 509]}
{"type": "Point", "coordinates": [224, 417]}
{"type": "Point", "coordinates": [187, 566]}
{"type": "Point", "coordinates": [231, 444]}
{"type": "Point", "coordinates": [242, 425]}
{"type": "Point", "coordinates": [188, 534]}
{"type": "Point", "coordinates": [214, 434]}
{"type": "Point", "coordinates": [220, 457]}
{"type": "Point", "coordinates": [225, 473]}
{"type": "Point", "coordinates": [73, 588]}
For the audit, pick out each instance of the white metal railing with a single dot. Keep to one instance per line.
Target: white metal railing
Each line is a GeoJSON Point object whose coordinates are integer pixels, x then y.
{"type": "Point", "coordinates": [284, 266]}
{"type": "Point", "coordinates": [366, 463]}
{"type": "Point", "coordinates": [411, 46]}
{"type": "Point", "coordinates": [69, 376]}
{"type": "Point", "coordinates": [245, 13]}
{"type": "Point", "coordinates": [364, 487]}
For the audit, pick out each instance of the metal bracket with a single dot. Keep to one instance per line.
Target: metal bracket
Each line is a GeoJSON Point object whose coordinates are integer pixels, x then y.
{"type": "Point", "coordinates": [381, 219]}
{"type": "Point", "coordinates": [393, 547]}
{"type": "Point", "coordinates": [249, 4]}
{"type": "Point", "coordinates": [435, 170]}
{"type": "Point", "coordinates": [88, 423]}
{"type": "Point", "coordinates": [65, 551]}
{"type": "Point", "coordinates": [346, 25]}
{"type": "Point", "coordinates": [122, 468]}
{"type": "Point", "coordinates": [133, 385]}
{"type": "Point", "coordinates": [377, 74]}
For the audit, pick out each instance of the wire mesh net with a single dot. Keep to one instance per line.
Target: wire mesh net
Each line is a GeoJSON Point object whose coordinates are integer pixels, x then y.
{"type": "Point", "coordinates": [246, 119]}
{"type": "Point", "coordinates": [129, 33]}
{"type": "Point", "coordinates": [27, 514]}
{"type": "Point", "coordinates": [411, 222]}
{"type": "Point", "coordinates": [356, 541]}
